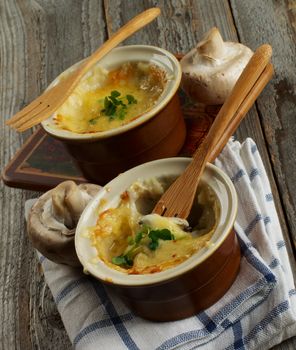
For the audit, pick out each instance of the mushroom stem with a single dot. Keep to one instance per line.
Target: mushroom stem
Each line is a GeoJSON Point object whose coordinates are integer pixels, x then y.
{"type": "Point", "coordinates": [212, 46]}
{"type": "Point", "coordinates": [210, 70]}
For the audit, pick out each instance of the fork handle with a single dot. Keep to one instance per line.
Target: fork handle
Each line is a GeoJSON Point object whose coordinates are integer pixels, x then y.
{"type": "Point", "coordinates": [242, 111]}
{"type": "Point", "coordinates": [123, 33]}
{"type": "Point", "coordinates": [186, 185]}
{"type": "Point", "coordinates": [244, 84]}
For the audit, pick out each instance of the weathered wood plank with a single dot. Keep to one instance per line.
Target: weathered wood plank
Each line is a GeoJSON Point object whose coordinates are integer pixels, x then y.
{"type": "Point", "coordinates": [38, 40]}
{"type": "Point", "coordinates": [277, 104]}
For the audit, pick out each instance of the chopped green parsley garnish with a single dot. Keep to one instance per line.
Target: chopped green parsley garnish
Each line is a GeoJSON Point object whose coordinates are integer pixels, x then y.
{"type": "Point", "coordinates": [93, 121]}
{"type": "Point", "coordinates": [131, 99]}
{"type": "Point", "coordinates": [122, 260]}
{"type": "Point", "coordinates": [156, 235]}
{"type": "Point", "coordinates": [116, 106]}
{"type": "Point", "coordinates": [146, 237]}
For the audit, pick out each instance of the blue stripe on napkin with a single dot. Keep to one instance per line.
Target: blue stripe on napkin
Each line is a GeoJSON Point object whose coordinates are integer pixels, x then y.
{"type": "Point", "coordinates": [252, 224]}
{"type": "Point", "coordinates": [114, 316]}
{"type": "Point", "coordinates": [275, 263]}
{"type": "Point", "coordinates": [238, 333]}
{"type": "Point", "coordinates": [42, 258]}
{"type": "Point", "coordinates": [269, 197]}
{"type": "Point", "coordinates": [275, 312]}
{"type": "Point", "coordinates": [69, 288]}
{"type": "Point", "coordinates": [253, 174]}
{"type": "Point", "coordinates": [252, 259]}
{"type": "Point", "coordinates": [210, 326]}
{"type": "Point", "coordinates": [258, 217]}
{"type": "Point", "coordinates": [254, 148]}
{"type": "Point", "coordinates": [238, 175]}
{"type": "Point", "coordinates": [280, 244]}
{"type": "Point", "coordinates": [108, 322]}
{"type": "Point", "coordinates": [261, 326]}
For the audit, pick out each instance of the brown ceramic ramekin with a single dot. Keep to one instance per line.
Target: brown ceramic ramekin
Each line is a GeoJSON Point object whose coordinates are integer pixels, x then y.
{"type": "Point", "coordinates": [156, 134]}
{"type": "Point", "coordinates": [187, 288]}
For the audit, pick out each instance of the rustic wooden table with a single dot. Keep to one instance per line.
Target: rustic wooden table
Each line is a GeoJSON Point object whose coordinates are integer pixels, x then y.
{"type": "Point", "coordinates": [41, 38]}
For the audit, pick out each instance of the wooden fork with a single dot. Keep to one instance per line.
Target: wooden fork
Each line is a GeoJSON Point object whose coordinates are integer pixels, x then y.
{"type": "Point", "coordinates": [178, 199]}
{"type": "Point", "coordinates": [248, 102]}
{"type": "Point", "coordinates": [41, 108]}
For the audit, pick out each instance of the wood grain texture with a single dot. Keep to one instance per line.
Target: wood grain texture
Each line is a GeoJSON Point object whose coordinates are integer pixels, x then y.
{"type": "Point", "coordinates": [277, 105]}
{"type": "Point", "coordinates": [260, 121]}
{"type": "Point", "coordinates": [38, 40]}
{"type": "Point", "coordinates": [41, 38]}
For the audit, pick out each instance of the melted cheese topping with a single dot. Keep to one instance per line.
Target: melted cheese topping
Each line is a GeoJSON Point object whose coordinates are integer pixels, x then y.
{"type": "Point", "coordinates": [117, 227]}
{"type": "Point", "coordinates": [83, 111]}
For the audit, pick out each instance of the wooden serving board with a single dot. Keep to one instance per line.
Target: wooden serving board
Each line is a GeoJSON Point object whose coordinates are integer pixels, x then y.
{"type": "Point", "coordinates": [43, 162]}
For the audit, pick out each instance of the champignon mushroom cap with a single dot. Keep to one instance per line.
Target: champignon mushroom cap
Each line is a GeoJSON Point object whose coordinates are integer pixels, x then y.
{"type": "Point", "coordinates": [53, 218]}
{"type": "Point", "coordinates": [211, 69]}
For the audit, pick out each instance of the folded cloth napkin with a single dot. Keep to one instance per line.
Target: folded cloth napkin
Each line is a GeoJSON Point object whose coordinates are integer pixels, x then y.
{"type": "Point", "coordinates": [257, 312]}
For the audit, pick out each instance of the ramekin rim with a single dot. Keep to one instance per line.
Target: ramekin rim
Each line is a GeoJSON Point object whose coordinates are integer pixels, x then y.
{"type": "Point", "coordinates": [169, 273]}
{"type": "Point", "coordinates": [68, 135]}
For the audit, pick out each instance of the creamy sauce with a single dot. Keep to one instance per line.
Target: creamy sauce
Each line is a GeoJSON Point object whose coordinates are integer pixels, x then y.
{"type": "Point", "coordinates": [138, 84]}
{"type": "Point", "coordinates": [129, 240]}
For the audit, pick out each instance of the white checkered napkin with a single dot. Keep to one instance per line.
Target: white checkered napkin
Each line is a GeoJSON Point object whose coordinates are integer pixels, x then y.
{"type": "Point", "coordinates": [257, 312]}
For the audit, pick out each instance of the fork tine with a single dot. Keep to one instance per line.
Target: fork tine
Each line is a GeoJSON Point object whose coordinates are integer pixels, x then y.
{"type": "Point", "coordinates": [36, 118]}
{"type": "Point", "coordinates": [41, 108]}
{"type": "Point", "coordinates": [31, 116]}
{"type": "Point", "coordinates": [25, 111]}
{"type": "Point", "coordinates": [59, 93]}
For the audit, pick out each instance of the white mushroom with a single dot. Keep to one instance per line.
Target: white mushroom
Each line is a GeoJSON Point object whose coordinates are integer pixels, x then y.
{"type": "Point", "coordinates": [53, 218]}
{"type": "Point", "coordinates": [211, 69]}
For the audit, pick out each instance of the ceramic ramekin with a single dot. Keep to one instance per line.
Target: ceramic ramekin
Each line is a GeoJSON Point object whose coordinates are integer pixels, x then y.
{"type": "Point", "coordinates": [187, 288]}
{"type": "Point", "coordinates": [158, 133]}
